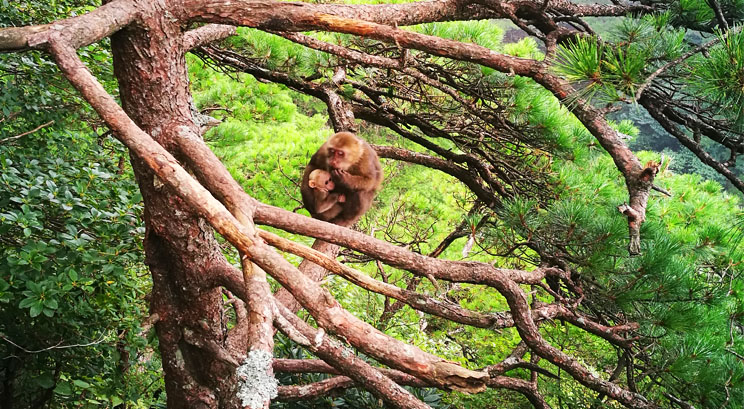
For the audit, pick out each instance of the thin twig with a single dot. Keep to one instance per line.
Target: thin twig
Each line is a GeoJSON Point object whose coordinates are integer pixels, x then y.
{"type": "Point", "coordinates": [57, 346]}
{"type": "Point", "coordinates": [661, 190]}
{"type": "Point", "coordinates": [719, 14]}
{"type": "Point", "coordinates": [12, 138]}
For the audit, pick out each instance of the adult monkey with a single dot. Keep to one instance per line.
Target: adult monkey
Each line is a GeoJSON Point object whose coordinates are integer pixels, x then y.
{"type": "Point", "coordinates": [355, 170]}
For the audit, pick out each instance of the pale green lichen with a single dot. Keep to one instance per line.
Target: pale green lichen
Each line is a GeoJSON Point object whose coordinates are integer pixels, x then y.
{"type": "Point", "coordinates": [255, 386]}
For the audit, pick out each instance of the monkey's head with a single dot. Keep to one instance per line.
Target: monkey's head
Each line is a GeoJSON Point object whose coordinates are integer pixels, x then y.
{"type": "Point", "coordinates": [320, 179]}
{"type": "Point", "coordinates": [344, 150]}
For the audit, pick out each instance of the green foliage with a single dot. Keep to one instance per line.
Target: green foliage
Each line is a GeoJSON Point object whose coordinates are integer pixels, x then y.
{"type": "Point", "coordinates": [693, 12]}
{"type": "Point", "coordinates": [581, 60]}
{"type": "Point", "coordinates": [625, 127]}
{"type": "Point", "coordinates": [279, 53]}
{"type": "Point", "coordinates": [481, 32]}
{"type": "Point", "coordinates": [678, 288]}
{"type": "Point", "coordinates": [681, 286]}
{"type": "Point", "coordinates": [720, 76]}
{"type": "Point", "coordinates": [524, 48]}
{"type": "Point", "coordinates": [637, 30]}
{"type": "Point", "coordinates": [24, 12]}
{"type": "Point", "coordinates": [698, 14]}
{"type": "Point", "coordinates": [72, 279]}
{"type": "Point", "coordinates": [529, 103]}
{"type": "Point", "coordinates": [625, 68]}
{"type": "Point", "coordinates": [610, 73]}
{"type": "Point", "coordinates": [72, 266]}
{"type": "Point", "coordinates": [491, 398]}
{"type": "Point", "coordinates": [613, 72]}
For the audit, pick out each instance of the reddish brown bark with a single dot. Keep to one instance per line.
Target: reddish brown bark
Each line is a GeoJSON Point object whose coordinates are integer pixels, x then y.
{"type": "Point", "coordinates": [528, 389]}
{"type": "Point", "coordinates": [179, 244]}
{"type": "Point", "coordinates": [178, 296]}
{"type": "Point", "coordinates": [315, 271]}
{"type": "Point", "coordinates": [310, 295]}
{"type": "Point", "coordinates": [207, 34]}
{"type": "Point", "coordinates": [467, 272]}
{"type": "Point", "coordinates": [185, 306]}
{"type": "Point", "coordinates": [346, 362]}
{"type": "Point", "coordinates": [315, 390]}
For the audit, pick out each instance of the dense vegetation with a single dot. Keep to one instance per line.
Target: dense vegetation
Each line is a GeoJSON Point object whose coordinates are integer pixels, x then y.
{"type": "Point", "coordinates": [73, 286]}
{"type": "Point", "coordinates": [74, 328]}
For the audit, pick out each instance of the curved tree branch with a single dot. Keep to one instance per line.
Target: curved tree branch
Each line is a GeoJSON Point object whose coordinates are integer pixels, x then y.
{"type": "Point", "coordinates": [76, 31]}
{"type": "Point", "coordinates": [469, 272]}
{"type": "Point", "coordinates": [207, 34]}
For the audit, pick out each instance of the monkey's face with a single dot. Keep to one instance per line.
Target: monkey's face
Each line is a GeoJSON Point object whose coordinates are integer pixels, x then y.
{"type": "Point", "coordinates": [327, 182]}
{"type": "Point", "coordinates": [322, 181]}
{"type": "Point", "coordinates": [344, 150]}
{"type": "Point", "coordinates": [337, 158]}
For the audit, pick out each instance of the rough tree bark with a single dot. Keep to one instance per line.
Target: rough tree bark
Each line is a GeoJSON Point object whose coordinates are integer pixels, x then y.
{"type": "Point", "coordinates": [180, 247]}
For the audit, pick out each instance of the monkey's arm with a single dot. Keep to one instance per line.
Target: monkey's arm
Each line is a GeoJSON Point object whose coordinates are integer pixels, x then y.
{"type": "Point", "coordinates": [354, 182]}
{"type": "Point", "coordinates": [323, 205]}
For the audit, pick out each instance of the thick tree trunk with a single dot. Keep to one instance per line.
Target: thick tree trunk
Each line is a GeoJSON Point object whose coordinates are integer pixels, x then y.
{"type": "Point", "coordinates": [180, 247]}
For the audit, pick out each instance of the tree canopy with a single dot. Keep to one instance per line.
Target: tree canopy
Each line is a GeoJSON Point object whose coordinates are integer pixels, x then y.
{"type": "Point", "coordinates": [560, 223]}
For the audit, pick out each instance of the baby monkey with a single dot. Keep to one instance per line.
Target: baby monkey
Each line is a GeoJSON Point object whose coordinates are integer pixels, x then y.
{"type": "Point", "coordinates": [327, 204]}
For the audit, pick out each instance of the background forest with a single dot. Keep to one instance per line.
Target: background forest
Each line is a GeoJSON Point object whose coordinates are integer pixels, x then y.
{"type": "Point", "coordinates": [75, 326]}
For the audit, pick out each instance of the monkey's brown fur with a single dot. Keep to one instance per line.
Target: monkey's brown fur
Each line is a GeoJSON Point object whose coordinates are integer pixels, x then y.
{"type": "Point", "coordinates": [356, 172]}
{"type": "Point", "coordinates": [327, 203]}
